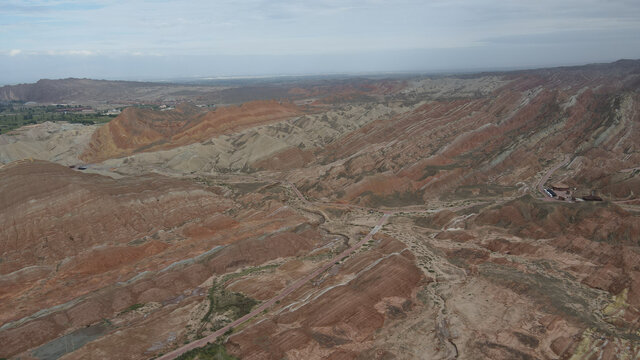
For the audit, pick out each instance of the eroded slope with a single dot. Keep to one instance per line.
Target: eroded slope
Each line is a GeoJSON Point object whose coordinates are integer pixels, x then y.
{"type": "Point", "coordinates": [137, 130]}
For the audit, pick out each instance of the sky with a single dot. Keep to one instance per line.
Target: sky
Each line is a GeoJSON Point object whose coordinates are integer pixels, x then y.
{"type": "Point", "coordinates": [163, 40]}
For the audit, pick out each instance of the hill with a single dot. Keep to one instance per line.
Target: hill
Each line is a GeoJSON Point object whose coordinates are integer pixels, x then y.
{"type": "Point", "coordinates": [137, 130]}
{"type": "Point", "coordinates": [101, 92]}
{"type": "Point", "coordinates": [85, 91]}
{"type": "Point", "coordinates": [388, 219]}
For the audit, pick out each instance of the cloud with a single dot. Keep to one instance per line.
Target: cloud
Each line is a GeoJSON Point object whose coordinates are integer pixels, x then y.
{"type": "Point", "coordinates": [79, 52]}
{"type": "Point", "coordinates": [136, 30]}
{"type": "Point", "coordinates": [39, 7]}
{"type": "Point", "coordinates": [278, 27]}
{"type": "Point", "coordinates": [66, 52]}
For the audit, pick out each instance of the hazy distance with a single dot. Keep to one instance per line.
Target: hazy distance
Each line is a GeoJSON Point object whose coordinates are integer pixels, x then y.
{"type": "Point", "coordinates": [159, 40]}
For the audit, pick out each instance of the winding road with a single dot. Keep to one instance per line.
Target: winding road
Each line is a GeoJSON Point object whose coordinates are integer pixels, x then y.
{"type": "Point", "coordinates": [546, 176]}
{"type": "Point", "coordinates": [300, 282]}
{"type": "Point", "coordinates": [288, 290]}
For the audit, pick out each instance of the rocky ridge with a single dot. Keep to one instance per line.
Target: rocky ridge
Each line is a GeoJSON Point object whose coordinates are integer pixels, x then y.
{"type": "Point", "coordinates": [474, 261]}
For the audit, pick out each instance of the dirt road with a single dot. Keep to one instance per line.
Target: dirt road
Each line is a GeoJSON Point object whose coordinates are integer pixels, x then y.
{"type": "Point", "coordinates": [410, 209]}
{"type": "Point", "coordinates": [630, 169]}
{"type": "Point", "coordinates": [288, 290]}
{"type": "Point", "coordinates": [296, 285]}
{"type": "Point", "coordinates": [546, 176]}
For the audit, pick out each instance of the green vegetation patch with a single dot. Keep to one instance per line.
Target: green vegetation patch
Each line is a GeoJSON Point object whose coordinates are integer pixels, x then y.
{"type": "Point", "coordinates": [16, 115]}
{"type": "Point", "coordinates": [318, 257]}
{"type": "Point", "coordinates": [214, 351]}
{"type": "Point", "coordinates": [247, 271]}
{"type": "Point", "coordinates": [133, 307]}
{"type": "Point", "coordinates": [234, 305]}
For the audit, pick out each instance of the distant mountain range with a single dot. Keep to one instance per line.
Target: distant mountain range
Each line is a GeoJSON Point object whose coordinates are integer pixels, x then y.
{"type": "Point", "coordinates": [369, 218]}
{"type": "Point", "coordinates": [92, 92]}
{"type": "Point", "coordinates": [89, 91]}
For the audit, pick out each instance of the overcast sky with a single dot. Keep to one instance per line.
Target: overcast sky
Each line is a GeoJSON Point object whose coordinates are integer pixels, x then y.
{"type": "Point", "coordinates": [152, 39]}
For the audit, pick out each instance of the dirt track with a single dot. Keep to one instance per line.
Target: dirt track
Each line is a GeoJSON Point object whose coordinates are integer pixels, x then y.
{"type": "Point", "coordinates": [291, 288]}
{"type": "Point", "coordinates": [546, 176]}
{"type": "Point", "coordinates": [288, 290]}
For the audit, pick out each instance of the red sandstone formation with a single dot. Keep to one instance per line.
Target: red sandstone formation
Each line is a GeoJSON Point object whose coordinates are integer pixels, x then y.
{"type": "Point", "coordinates": [483, 146]}
{"type": "Point", "coordinates": [84, 247]}
{"type": "Point", "coordinates": [137, 130]}
{"type": "Point", "coordinates": [472, 263]}
{"type": "Point", "coordinates": [345, 317]}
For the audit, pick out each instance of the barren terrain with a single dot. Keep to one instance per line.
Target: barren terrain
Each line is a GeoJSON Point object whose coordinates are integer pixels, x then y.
{"type": "Point", "coordinates": [354, 219]}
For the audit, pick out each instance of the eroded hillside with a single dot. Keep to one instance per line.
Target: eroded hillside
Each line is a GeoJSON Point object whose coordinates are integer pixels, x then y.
{"type": "Point", "coordinates": [138, 130]}
{"type": "Point", "coordinates": [375, 219]}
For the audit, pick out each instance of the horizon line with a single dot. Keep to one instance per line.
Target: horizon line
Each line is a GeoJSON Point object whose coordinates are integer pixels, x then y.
{"type": "Point", "coordinates": [435, 72]}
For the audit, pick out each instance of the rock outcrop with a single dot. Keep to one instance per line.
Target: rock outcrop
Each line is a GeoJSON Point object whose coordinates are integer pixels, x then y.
{"type": "Point", "coordinates": [483, 145]}
{"type": "Point", "coordinates": [143, 130]}
{"type": "Point", "coordinates": [470, 258]}
{"type": "Point", "coordinates": [77, 248]}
